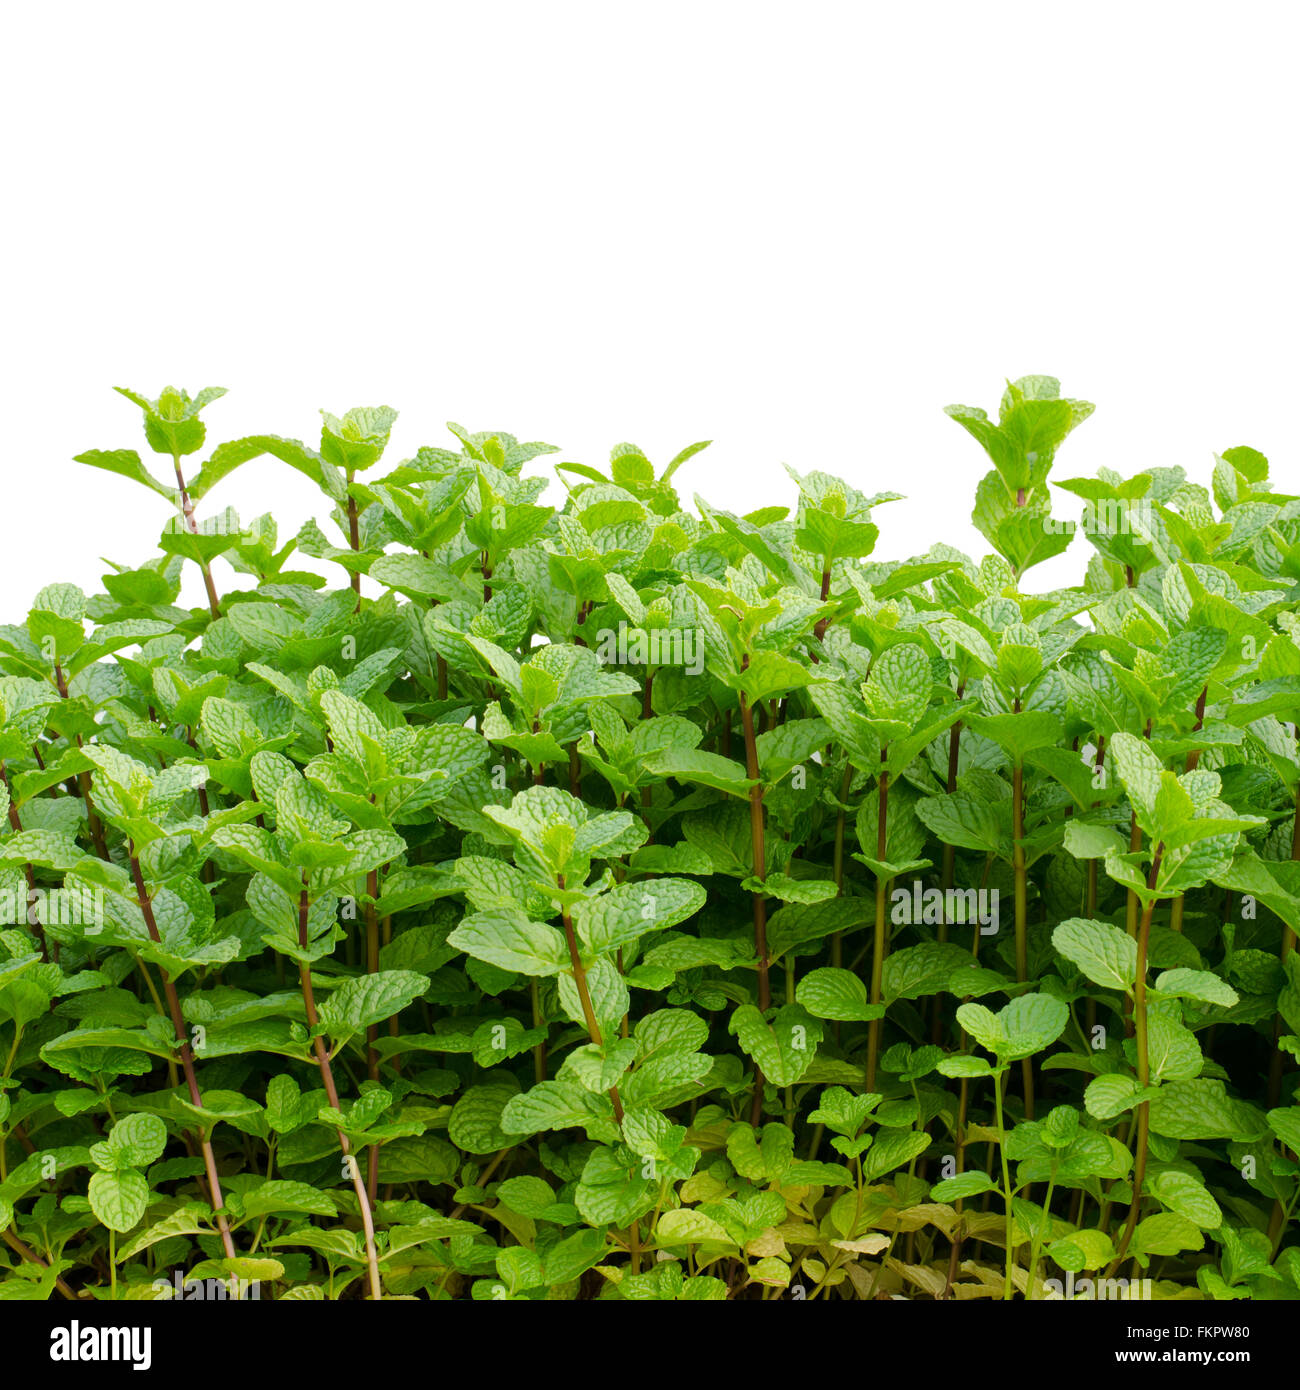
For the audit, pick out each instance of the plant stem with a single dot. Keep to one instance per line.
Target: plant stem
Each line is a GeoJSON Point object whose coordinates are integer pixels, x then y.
{"type": "Point", "coordinates": [1288, 945]}
{"type": "Point", "coordinates": [584, 994]}
{"type": "Point", "coordinates": [881, 941]}
{"type": "Point", "coordinates": [1143, 1063]}
{"type": "Point", "coordinates": [954, 760]}
{"type": "Point", "coordinates": [1090, 902]}
{"type": "Point", "coordinates": [372, 1032]}
{"type": "Point", "coordinates": [187, 509]}
{"type": "Point", "coordinates": [1134, 844]}
{"type": "Point", "coordinates": [1006, 1180]}
{"type": "Point", "coordinates": [481, 1181]}
{"type": "Point", "coordinates": [758, 846]}
{"type": "Point", "coordinates": [647, 712]}
{"type": "Point", "coordinates": [24, 1251]}
{"type": "Point", "coordinates": [819, 632]}
{"type": "Point", "coordinates": [963, 1102]}
{"type": "Point", "coordinates": [846, 785]}
{"type": "Point", "coordinates": [354, 538]}
{"type": "Point", "coordinates": [1037, 1241]}
{"type": "Point", "coordinates": [1022, 910]}
{"type": "Point", "coordinates": [1194, 757]}
{"type": "Point", "coordinates": [759, 850]}
{"type": "Point", "coordinates": [187, 1057]}
{"type": "Point", "coordinates": [332, 1094]}
{"type": "Point", "coordinates": [93, 821]}
{"type": "Point", "coordinates": [539, 1049]}
{"type": "Point", "coordinates": [949, 868]}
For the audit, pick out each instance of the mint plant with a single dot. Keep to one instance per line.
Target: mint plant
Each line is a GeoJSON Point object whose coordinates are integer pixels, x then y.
{"type": "Point", "coordinates": [612, 907]}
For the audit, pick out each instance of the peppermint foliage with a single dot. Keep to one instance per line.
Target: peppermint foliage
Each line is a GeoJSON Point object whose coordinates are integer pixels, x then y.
{"type": "Point", "coordinates": [501, 891]}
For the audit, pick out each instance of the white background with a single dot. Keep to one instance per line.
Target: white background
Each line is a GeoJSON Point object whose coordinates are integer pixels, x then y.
{"type": "Point", "coordinates": [799, 230]}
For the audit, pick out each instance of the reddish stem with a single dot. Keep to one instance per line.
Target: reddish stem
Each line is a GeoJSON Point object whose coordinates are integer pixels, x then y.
{"type": "Point", "coordinates": [187, 1057]}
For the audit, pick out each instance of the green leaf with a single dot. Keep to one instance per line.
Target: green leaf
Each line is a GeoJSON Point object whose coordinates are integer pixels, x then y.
{"type": "Point", "coordinates": [1105, 954]}
{"type": "Point", "coordinates": [963, 820]}
{"type": "Point", "coordinates": [1285, 1123]}
{"type": "Point", "coordinates": [836, 994]}
{"type": "Point", "coordinates": [704, 769]}
{"type": "Point", "coordinates": [368, 999]}
{"type": "Point", "coordinates": [1201, 985]}
{"type": "Point", "coordinates": [965, 1067]}
{"type": "Point", "coordinates": [627, 912]}
{"type": "Point", "coordinates": [782, 1049]}
{"type": "Point", "coordinates": [898, 688]}
{"type": "Point", "coordinates": [558, 1105]}
{"type": "Point", "coordinates": [919, 970]}
{"type": "Point", "coordinates": [962, 1186]}
{"type": "Point", "coordinates": [513, 942]}
{"type": "Point", "coordinates": [529, 1196]}
{"type": "Point", "coordinates": [1082, 1250]}
{"type": "Point", "coordinates": [1166, 1233]}
{"type": "Point", "coordinates": [842, 1111]}
{"type": "Point", "coordinates": [1172, 1050]}
{"type": "Point", "coordinates": [893, 1149]}
{"type": "Point", "coordinates": [768, 675]}
{"type": "Point", "coordinates": [1019, 734]}
{"type": "Point", "coordinates": [119, 1198]}
{"type": "Point", "coordinates": [1029, 1024]}
{"type": "Point", "coordinates": [1184, 1194]}
{"type": "Point", "coordinates": [1142, 774]}
{"type": "Point", "coordinates": [1026, 1025]}
{"type": "Point", "coordinates": [126, 463]}
{"type": "Point", "coordinates": [281, 1195]}
{"type": "Point", "coordinates": [689, 1227]}
{"type": "Point", "coordinates": [1112, 1094]}
{"type": "Point", "coordinates": [474, 1125]}
{"type": "Point", "coordinates": [801, 923]}
{"type": "Point", "coordinates": [137, 1140]}
{"type": "Point", "coordinates": [1202, 1109]}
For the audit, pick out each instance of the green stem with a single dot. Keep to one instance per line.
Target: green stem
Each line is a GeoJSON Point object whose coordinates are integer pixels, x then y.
{"type": "Point", "coordinates": [13, 1052]}
{"type": "Point", "coordinates": [25, 1252]}
{"type": "Point", "coordinates": [1022, 910]}
{"type": "Point", "coordinates": [881, 940]}
{"type": "Point", "coordinates": [539, 1049]}
{"type": "Point", "coordinates": [1006, 1181]}
{"type": "Point", "coordinates": [1143, 1063]}
{"type": "Point", "coordinates": [372, 1032]}
{"type": "Point", "coordinates": [846, 784]}
{"type": "Point", "coordinates": [83, 782]}
{"type": "Point", "coordinates": [1288, 945]}
{"type": "Point", "coordinates": [1038, 1233]}
{"type": "Point", "coordinates": [759, 898]}
{"type": "Point", "coordinates": [584, 994]}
